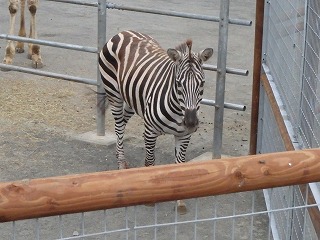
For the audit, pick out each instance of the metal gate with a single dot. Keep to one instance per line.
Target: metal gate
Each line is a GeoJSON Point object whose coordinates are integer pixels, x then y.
{"type": "Point", "coordinates": [102, 6]}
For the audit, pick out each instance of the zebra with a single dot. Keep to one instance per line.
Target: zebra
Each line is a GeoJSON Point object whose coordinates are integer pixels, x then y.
{"type": "Point", "coordinates": [163, 87]}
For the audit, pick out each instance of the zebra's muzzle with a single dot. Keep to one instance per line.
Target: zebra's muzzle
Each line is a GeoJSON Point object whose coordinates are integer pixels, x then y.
{"type": "Point", "coordinates": [190, 120]}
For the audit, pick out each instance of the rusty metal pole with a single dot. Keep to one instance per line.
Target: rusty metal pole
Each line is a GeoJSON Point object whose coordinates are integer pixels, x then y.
{"type": "Point", "coordinates": [256, 75]}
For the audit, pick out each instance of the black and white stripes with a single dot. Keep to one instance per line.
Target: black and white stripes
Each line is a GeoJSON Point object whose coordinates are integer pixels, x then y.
{"type": "Point", "coordinates": [163, 87]}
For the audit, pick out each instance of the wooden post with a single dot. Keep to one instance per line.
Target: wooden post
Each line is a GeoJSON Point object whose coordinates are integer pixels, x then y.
{"type": "Point", "coordinates": [256, 75]}
{"type": "Point", "coordinates": [111, 189]}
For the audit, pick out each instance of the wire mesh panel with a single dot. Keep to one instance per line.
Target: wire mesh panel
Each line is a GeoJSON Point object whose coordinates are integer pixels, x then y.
{"type": "Point", "coordinates": [291, 48]}
{"type": "Point", "coordinates": [283, 50]}
{"type": "Point", "coordinates": [291, 52]}
{"type": "Point", "coordinates": [294, 223]}
{"type": "Point", "coordinates": [310, 100]}
{"type": "Point", "coordinates": [207, 218]}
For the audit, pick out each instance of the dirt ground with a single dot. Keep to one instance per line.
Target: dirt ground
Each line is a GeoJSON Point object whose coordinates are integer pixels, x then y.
{"type": "Point", "coordinates": [40, 117]}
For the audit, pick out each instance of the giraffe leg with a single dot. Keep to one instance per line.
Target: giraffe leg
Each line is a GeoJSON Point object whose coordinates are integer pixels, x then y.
{"type": "Point", "coordinates": [22, 30]}
{"type": "Point", "coordinates": [34, 49]}
{"type": "Point", "coordinates": [180, 153]}
{"type": "Point", "coordinates": [10, 48]}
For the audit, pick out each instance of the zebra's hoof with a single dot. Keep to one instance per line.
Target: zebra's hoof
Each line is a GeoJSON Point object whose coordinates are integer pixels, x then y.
{"type": "Point", "coordinates": [123, 165]}
{"type": "Point", "coordinates": [182, 210]}
{"type": "Point", "coordinates": [181, 207]}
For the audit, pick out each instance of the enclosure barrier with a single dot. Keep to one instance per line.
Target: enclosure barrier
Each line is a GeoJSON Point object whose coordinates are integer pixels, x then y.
{"type": "Point", "coordinates": [285, 101]}
{"type": "Point", "coordinates": [102, 5]}
{"type": "Point", "coordinates": [110, 5]}
{"type": "Point", "coordinates": [34, 198]}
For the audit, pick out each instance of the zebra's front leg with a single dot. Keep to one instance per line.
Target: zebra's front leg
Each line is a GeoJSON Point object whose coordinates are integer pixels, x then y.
{"type": "Point", "coordinates": [150, 139]}
{"type": "Point", "coordinates": [34, 49]}
{"type": "Point", "coordinates": [181, 144]}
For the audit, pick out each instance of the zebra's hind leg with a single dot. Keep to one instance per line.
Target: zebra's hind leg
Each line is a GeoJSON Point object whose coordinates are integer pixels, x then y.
{"type": "Point", "coordinates": [118, 114]}
{"type": "Point", "coordinates": [180, 153]}
{"type": "Point", "coordinates": [127, 113]}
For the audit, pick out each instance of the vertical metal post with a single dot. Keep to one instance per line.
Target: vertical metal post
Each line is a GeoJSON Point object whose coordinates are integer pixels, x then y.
{"type": "Point", "coordinates": [221, 76]}
{"type": "Point", "coordinates": [101, 100]}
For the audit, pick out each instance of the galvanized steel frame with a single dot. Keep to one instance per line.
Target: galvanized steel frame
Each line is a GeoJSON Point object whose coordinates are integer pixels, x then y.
{"type": "Point", "coordinates": [102, 5]}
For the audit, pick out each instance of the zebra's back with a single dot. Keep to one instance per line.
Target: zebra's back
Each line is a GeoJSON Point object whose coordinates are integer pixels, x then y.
{"type": "Point", "coordinates": [133, 65]}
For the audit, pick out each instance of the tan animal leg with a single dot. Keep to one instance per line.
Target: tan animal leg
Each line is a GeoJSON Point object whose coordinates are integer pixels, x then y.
{"type": "Point", "coordinates": [181, 207]}
{"type": "Point", "coordinates": [10, 49]}
{"type": "Point", "coordinates": [22, 30]}
{"type": "Point", "coordinates": [34, 49]}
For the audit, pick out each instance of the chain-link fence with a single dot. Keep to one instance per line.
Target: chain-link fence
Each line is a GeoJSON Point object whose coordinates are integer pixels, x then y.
{"type": "Point", "coordinates": [289, 95]}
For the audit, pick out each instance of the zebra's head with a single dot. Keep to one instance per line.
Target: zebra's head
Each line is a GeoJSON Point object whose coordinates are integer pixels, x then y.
{"type": "Point", "coordinates": [189, 80]}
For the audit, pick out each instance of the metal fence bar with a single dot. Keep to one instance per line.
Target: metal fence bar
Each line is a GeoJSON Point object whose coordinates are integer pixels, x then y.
{"type": "Point", "coordinates": [221, 77]}
{"type": "Point", "coordinates": [48, 74]}
{"type": "Point", "coordinates": [94, 82]}
{"type": "Point", "coordinates": [178, 14]}
{"type": "Point", "coordinates": [158, 12]}
{"type": "Point", "coordinates": [50, 43]}
{"type": "Point", "coordinates": [78, 2]}
{"type": "Point", "coordinates": [101, 99]}
{"type": "Point", "coordinates": [226, 105]}
{"type": "Point", "coordinates": [242, 72]}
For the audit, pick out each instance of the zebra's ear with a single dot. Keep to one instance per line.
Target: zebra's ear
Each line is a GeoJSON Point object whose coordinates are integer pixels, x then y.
{"type": "Point", "coordinates": [173, 54]}
{"type": "Point", "coordinates": [206, 54]}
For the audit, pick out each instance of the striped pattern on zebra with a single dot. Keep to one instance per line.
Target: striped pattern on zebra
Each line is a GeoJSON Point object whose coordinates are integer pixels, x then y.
{"type": "Point", "coordinates": [163, 87]}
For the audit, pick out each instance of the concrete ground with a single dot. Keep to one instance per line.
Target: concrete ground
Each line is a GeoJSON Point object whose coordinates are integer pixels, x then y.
{"type": "Point", "coordinates": [42, 120]}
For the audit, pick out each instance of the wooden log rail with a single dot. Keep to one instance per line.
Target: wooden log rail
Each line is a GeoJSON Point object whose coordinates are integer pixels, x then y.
{"type": "Point", "coordinates": [104, 190]}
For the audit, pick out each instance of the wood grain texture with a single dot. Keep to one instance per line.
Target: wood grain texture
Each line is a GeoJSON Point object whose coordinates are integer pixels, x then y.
{"type": "Point", "coordinates": [257, 58]}
{"type": "Point", "coordinates": [104, 190]}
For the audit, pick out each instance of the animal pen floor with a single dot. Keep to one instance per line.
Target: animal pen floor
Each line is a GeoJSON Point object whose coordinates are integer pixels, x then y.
{"type": "Point", "coordinates": [41, 117]}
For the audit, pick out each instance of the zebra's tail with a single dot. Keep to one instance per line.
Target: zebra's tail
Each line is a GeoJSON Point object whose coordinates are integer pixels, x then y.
{"type": "Point", "coordinates": [102, 99]}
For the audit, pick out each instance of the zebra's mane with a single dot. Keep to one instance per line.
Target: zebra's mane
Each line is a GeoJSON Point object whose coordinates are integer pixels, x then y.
{"type": "Point", "coordinates": [185, 47]}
